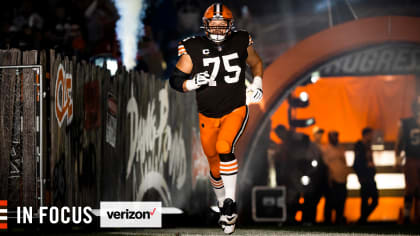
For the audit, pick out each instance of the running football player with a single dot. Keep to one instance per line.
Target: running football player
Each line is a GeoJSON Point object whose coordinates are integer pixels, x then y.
{"type": "Point", "coordinates": [214, 67]}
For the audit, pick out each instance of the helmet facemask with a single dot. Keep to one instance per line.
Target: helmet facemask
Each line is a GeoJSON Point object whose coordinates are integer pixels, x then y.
{"type": "Point", "coordinates": [216, 30]}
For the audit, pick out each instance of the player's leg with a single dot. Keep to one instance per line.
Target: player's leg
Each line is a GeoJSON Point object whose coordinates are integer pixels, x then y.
{"type": "Point", "coordinates": [232, 127]}
{"type": "Point", "coordinates": [209, 128]}
{"type": "Point", "coordinates": [216, 181]}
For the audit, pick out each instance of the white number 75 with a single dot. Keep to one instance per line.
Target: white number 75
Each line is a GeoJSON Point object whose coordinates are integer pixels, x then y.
{"type": "Point", "coordinates": [226, 63]}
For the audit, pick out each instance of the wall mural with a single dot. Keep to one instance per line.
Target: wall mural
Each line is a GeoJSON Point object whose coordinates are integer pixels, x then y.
{"type": "Point", "coordinates": [156, 149]}
{"type": "Point", "coordinates": [124, 138]}
{"type": "Point", "coordinates": [63, 96]}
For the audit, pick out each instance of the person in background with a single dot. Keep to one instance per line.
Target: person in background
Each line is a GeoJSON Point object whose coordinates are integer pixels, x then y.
{"type": "Point", "coordinates": [334, 158]}
{"type": "Point", "coordinates": [317, 135]}
{"type": "Point", "coordinates": [365, 169]}
{"type": "Point", "coordinates": [409, 141]}
{"type": "Point", "coordinates": [312, 198]}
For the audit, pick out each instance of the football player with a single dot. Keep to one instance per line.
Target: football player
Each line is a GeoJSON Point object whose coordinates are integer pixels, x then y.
{"type": "Point", "coordinates": [214, 67]}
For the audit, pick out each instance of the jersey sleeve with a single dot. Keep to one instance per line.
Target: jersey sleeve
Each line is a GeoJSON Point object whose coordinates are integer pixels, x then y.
{"type": "Point", "coordinates": [181, 49]}
{"type": "Point", "coordinates": [244, 38]}
{"type": "Point", "coordinates": [186, 45]}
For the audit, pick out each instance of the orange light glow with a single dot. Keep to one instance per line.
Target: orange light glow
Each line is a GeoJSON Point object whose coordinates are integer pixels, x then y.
{"type": "Point", "coordinates": [348, 104]}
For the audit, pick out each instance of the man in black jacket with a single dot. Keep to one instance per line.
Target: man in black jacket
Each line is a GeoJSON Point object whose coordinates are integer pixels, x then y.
{"type": "Point", "coordinates": [409, 141]}
{"type": "Point", "coordinates": [365, 170]}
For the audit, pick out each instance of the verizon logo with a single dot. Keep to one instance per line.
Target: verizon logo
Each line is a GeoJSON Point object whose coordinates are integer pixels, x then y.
{"type": "Point", "coordinates": [131, 215]}
{"type": "Point", "coordinates": [3, 214]}
{"type": "Point", "coordinates": [127, 214]}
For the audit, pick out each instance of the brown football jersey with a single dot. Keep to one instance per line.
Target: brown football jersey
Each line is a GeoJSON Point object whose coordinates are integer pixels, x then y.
{"type": "Point", "coordinates": [226, 65]}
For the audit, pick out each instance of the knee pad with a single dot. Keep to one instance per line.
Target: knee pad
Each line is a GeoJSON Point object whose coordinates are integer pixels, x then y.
{"type": "Point", "coordinates": [227, 157]}
{"type": "Point", "coordinates": [223, 147]}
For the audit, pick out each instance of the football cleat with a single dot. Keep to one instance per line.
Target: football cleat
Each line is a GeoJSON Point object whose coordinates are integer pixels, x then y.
{"type": "Point", "coordinates": [220, 222]}
{"type": "Point", "coordinates": [229, 229]}
{"type": "Point", "coordinates": [228, 216]}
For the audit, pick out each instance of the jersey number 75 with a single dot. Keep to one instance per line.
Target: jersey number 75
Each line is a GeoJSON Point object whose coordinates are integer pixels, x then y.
{"type": "Point", "coordinates": [228, 67]}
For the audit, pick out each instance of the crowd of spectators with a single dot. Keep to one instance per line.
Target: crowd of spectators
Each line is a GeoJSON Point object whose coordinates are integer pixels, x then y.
{"type": "Point", "coordinates": [81, 28]}
{"type": "Point", "coordinates": [86, 28]}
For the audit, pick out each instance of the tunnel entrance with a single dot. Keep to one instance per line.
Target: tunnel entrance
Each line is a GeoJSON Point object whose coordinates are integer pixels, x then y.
{"type": "Point", "coordinates": [381, 46]}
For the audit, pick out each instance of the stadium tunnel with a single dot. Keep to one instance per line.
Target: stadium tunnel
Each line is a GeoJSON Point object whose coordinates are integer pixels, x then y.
{"type": "Point", "coordinates": [321, 52]}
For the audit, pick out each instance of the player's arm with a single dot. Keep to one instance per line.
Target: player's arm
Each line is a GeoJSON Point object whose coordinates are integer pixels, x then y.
{"type": "Point", "coordinates": [399, 145]}
{"type": "Point", "coordinates": [181, 73]}
{"type": "Point", "coordinates": [255, 63]}
{"type": "Point", "coordinates": [179, 79]}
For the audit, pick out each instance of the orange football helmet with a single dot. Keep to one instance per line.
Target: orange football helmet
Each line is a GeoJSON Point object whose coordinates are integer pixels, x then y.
{"type": "Point", "coordinates": [217, 22]}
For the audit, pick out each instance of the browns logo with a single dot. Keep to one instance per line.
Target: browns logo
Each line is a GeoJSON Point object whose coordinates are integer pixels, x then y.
{"type": "Point", "coordinates": [63, 97]}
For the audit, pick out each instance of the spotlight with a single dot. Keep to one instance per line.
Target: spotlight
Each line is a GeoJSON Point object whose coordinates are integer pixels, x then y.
{"type": "Point", "coordinates": [304, 96]}
{"type": "Point", "coordinates": [305, 180]}
{"type": "Point", "coordinates": [314, 163]}
{"type": "Point", "coordinates": [301, 102]}
{"type": "Point", "coordinates": [112, 66]}
{"type": "Point", "coordinates": [302, 122]}
{"type": "Point", "coordinates": [315, 77]}
{"type": "Point", "coordinates": [106, 61]}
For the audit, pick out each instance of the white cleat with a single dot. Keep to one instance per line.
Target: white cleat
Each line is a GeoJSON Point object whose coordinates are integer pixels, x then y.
{"type": "Point", "coordinates": [231, 219]}
{"type": "Point", "coordinates": [229, 229]}
{"type": "Point", "coordinates": [222, 221]}
{"type": "Point", "coordinates": [222, 218]}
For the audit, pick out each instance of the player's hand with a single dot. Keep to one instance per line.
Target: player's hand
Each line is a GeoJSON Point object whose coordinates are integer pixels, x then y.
{"type": "Point", "coordinates": [201, 78]}
{"type": "Point", "coordinates": [198, 80]}
{"type": "Point", "coordinates": [253, 95]}
{"type": "Point", "coordinates": [254, 92]}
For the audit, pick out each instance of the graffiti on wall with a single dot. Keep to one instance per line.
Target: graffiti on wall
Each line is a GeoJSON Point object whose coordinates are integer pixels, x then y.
{"type": "Point", "coordinates": [200, 166]}
{"type": "Point", "coordinates": [63, 96]}
{"type": "Point", "coordinates": [157, 156]}
{"type": "Point", "coordinates": [111, 120]}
